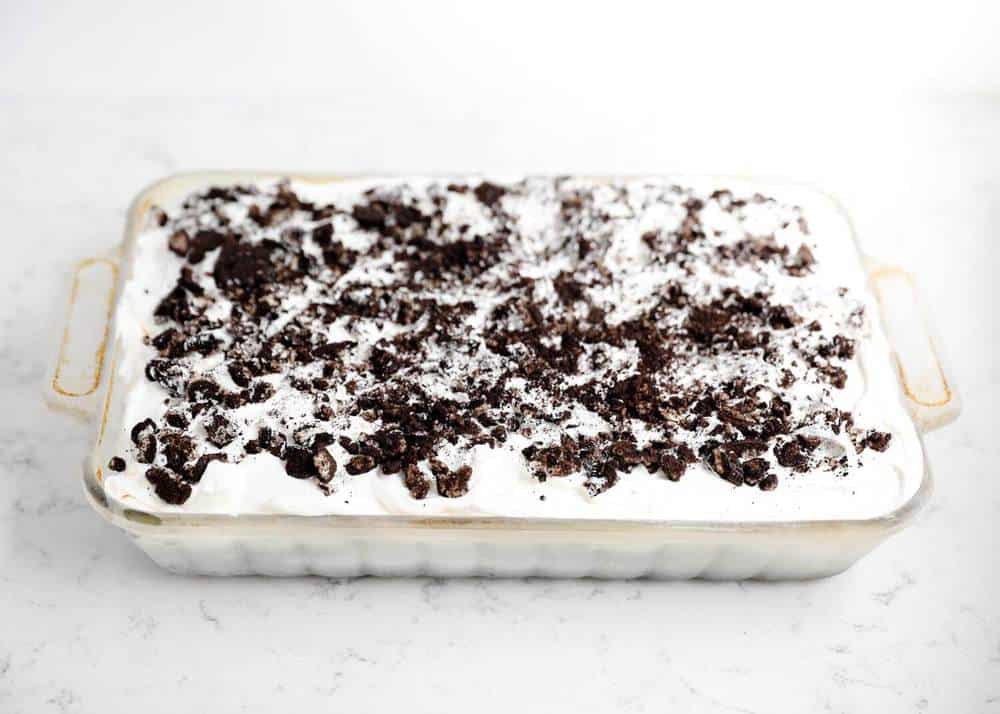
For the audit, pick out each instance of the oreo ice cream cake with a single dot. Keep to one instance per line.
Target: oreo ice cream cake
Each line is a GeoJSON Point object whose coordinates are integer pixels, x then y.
{"type": "Point", "coordinates": [550, 348]}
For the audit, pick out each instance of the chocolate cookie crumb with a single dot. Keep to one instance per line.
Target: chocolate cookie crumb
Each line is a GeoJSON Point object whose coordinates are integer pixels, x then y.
{"type": "Point", "coordinates": [789, 454]}
{"type": "Point", "coordinates": [440, 340]}
{"type": "Point", "coordinates": [877, 440]}
{"type": "Point", "coordinates": [143, 427]}
{"type": "Point", "coordinates": [673, 467]}
{"type": "Point", "coordinates": [220, 430]}
{"type": "Point", "coordinates": [179, 243]}
{"type": "Point", "coordinates": [299, 462]}
{"type": "Point", "coordinates": [261, 392]}
{"type": "Point", "coordinates": [360, 464]}
{"type": "Point", "coordinates": [170, 489]}
{"type": "Point", "coordinates": [725, 465]}
{"type": "Point", "coordinates": [768, 483]}
{"type": "Point", "coordinates": [176, 419]}
{"type": "Point", "coordinates": [452, 484]}
{"type": "Point", "coordinates": [202, 463]}
{"type": "Point", "coordinates": [326, 466]}
{"type": "Point", "coordinates": [418, 485]}
{"type": "Point", "coordinates": [801, 262]}
{"type": "Point", "coordinates": [489, 194]}
{"type": "Point", "coordinates": [143, 436]}
{"type": "Point", "coordinates": [601, 478]}
{"type": "Point", "coordinates": [754, 471]}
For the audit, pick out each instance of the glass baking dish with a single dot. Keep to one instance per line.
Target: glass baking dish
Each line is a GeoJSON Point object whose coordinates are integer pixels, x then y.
{"type": "Point", "coordinates": [82, 381]}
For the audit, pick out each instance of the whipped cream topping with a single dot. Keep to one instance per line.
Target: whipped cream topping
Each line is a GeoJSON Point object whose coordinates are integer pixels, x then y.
{"type": "Point", "coordinates": [631, 250]}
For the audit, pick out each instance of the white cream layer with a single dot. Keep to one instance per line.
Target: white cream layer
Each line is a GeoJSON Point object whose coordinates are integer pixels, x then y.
{"type": "Point", "coordinates": [501, 484]}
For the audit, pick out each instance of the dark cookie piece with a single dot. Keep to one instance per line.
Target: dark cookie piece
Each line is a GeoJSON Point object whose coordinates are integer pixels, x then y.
{"type": "Point", "coordinates": [704, 323]}
{"type": "Point", "coordinates": [839, 347]}
{"type": "Point", "coordinates": [235, 400]}
{"type": "Point", "coordinates": [333, 349]}
{"type": "Point", "coordinates": [202, 343]}
{"type": "Point", "coordinates": [802, 262]}
{"type": "Point", "coordinates": [601, 477]}
{"type": "Point", "coordinates": [202, 390]}
{"type": "Point", "coordinates": [568, 288]}
{"type": "Point", "coordinates": [175, 306]}
{"type": "Point", "coordinates": [371, 216]}
{"type": "Point", "coordinates": [168, 342]}
{"type": "Point", "coordinates": [489, 194]}
{"type": "Point", "coordinates": [176, 419]}
{"type": "Point", "coordinates": [169, 488]}
{"type": "Point", "coordinates": [117, 463]}
{"type": "Point", "coordinates": [325, 465]}
{"type": "Point", "coordinates": [877, 440]}
{"type": "Point", "coordinates": [754, 470]}
{"type": "Point", "coordinates": [451, 484]}
{"type": "Point", "coordinates": [173, 343]}
{"type": "Point", "coordinates": [673, 467]}
{"type": "Point", "coordinates": [220, 430]}
{"type": "Point", "coordinates": [144, 437]}
{"type": "Point", "coordinates": [782, 317]}
{"type": "Point", "coordinates": [188, 282]}
{"type": "Point", "coordinates": [239, 373]}
{"type": "Point", "coordinates": [220, 193]}
{"type": "Point", "coordinates": [323, 234]}
{"type": "Point", "coordinates": [418, 485]}
{"type": "Point", "coordinates": [198, 470]}
{"type": "Point", "coordinates": [271, 442]}
{"type": "Point", "coordinates": [768, 483]}
{"type": "Point", "coordinates": [836, 375]}
{"type": "Point", "coordinates": [261, 391]}
{"type": "Point", "coordinates": [362, 463]}
{"type": "Point", "coordinates": [794, 453]}
{"type": "Point", "coordinates": [622, 454]}
{"type": "Point", "coordinates": [383, 363]}
{"type": "Point", "coordinates": [320, 441]}
{"type": "Point", "coordinates": [338, 258]}
{"type": "Point", "coordinates": [391, 442]}
{"type": "Point", "coordinates": [299, 462]}
{"type": "Point", "coordinates": [391, 465]}
{"type": "Point", "coordinates": [203, 242]}
{"type": "Point", "coordinates": [790, 455]}
{"type": "Point", "coordinates": [554, 461]}
{"type": "Point", "coordinates": [243, 267]}
{"type": "Point", "coordinates": [143, 427]}
{"type": "Point", "coordinates": [179, 243]}
{"type": "Point", "coordinates": [170, 375]}
{"type": "Point", "coordinates": [179, 450]}
{"type": "Point", "coordinates": [725, 465]}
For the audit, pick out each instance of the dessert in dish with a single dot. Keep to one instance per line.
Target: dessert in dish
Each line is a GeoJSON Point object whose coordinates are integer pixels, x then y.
{"type": "Point", "coordinates": [536, 347]}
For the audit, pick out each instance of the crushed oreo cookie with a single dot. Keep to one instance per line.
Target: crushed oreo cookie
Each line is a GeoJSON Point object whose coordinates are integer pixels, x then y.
{"type": "Point", "coordinates": [168, 487]}
{"type": "Point", "coordinates": [443, 318]}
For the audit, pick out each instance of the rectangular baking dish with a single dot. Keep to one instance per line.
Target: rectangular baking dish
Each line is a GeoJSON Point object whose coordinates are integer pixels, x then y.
{"type": "Point", "coordinates": [82, 380]}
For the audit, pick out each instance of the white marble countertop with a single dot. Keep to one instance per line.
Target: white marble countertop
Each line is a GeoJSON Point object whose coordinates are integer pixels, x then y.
{"type": "Point", "coordinates": [88, 624]}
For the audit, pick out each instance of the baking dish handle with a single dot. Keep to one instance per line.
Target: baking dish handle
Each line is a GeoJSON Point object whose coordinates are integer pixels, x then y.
{"type": "Point", "coordinates": [927, 385]}
{"type": "Point", "coordinates": [77, 372]}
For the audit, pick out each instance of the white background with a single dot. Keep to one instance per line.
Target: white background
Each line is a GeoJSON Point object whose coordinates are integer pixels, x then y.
{"type": "Point", "coordinates": [895, 108]}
